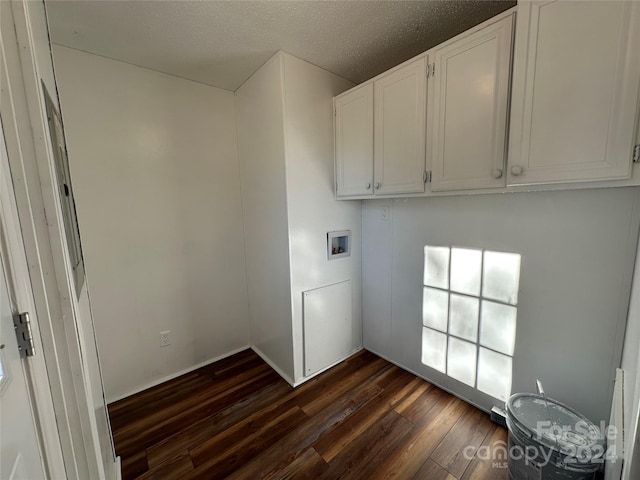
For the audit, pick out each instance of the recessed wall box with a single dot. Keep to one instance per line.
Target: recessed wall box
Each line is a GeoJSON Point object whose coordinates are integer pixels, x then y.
{"type": "Point", "coordinates": [338, 244]}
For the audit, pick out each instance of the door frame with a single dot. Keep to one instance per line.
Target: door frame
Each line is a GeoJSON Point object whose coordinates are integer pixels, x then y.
{"type": "Point", "coordinates": [60, 377]}
{"type": "Point", "coordinates": [21, 299]}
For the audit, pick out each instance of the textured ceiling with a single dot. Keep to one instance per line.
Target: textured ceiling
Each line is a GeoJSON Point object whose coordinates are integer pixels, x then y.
{"type": "Point", "coordinates": [221, 43]}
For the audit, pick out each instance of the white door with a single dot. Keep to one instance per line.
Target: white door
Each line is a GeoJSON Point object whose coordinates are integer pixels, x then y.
{"type": "Point", "coordinates": [354, 142]}
{"type": "Point", "coordinates": [400, 101]}
{"type": "Point", "coordinates": [19, 447]}
{"type": "Point", "coordinates": [575, 91]}
{"type": "Point", "coordinates": [468, 100]}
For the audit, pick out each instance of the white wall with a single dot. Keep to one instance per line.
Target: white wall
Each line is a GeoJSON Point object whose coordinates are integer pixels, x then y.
{"type": "Point", "coordinates": [264, 202]}
{"type": "Point", "coordinates": [312, 210]}
{"type": "Point", "coordinates": [285, 144]}
{"type": "Point", "coordinates": [154, 165]}
{"type": "Point", "coordinates": [576, 248]}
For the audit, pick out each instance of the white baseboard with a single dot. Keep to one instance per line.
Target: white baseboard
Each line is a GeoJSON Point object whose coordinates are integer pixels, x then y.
{"type": "Point", "coordinates": [177, 374]}
{"type": "Point", "coordinates": [287, 378]}
{"type": "Point", "coordinates": [315, 374]}
{"type": "Point", "coordinates": [259, 352]}
{"type": "Point", "coordinates": [278, 370]}
{"type": "Point", "coordinates": [118, 468]}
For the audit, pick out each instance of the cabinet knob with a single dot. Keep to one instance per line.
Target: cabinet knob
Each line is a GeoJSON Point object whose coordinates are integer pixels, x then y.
{"type": "Point", "coordinates": [377, 185]}
{"type": "Point", "coordinates": [368, 186]}
{"type": "Point", "coordinates": [497, 173]}
{"type": "Point", "coordinates": [516, 170]}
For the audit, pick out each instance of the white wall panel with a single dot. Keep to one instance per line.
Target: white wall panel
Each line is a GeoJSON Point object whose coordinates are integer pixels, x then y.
{"type": "Point", "coordinates": [155, 169]}
{"type": "Point", "coordinates": [376, 276]}
{"type": "Point", "coordinates": [312, 209]}
{"type": "Point", "coordinates": [577, 249]}
{"type": "Point", "coordinates": [264, 201]}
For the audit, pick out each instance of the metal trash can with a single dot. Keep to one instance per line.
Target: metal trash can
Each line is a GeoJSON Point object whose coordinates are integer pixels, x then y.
{"type": "Point", "coordinates": [550, 441]}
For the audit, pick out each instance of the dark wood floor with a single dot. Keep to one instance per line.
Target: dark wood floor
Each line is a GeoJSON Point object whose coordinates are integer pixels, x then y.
{"type": "Point", "coordinates": [364, 418]}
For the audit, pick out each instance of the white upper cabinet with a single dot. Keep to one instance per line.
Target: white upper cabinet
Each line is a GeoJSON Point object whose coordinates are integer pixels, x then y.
{"type": "Point", "coordinates": [566, 110]}
{"type": "Point", "coordinates": [399, 119]}
{"type": "Point", "coordinates": [575, 91]}
{"type": "Point", "coordinates": [468, 108]}
{"type": "Point", "coordinates": [354, 141]}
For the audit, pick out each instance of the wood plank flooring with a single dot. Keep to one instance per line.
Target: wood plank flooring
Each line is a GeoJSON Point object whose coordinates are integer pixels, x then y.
{"type": "Point", "coordinates": [363, 419]}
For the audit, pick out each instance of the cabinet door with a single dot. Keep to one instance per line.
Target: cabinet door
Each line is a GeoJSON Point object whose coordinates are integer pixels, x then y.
{"type": "Point", "coordinates": [575, 91]}
{"type": "Point", "coordinates": [400, 102]}
{"type": "Point", "coordinates": [354, 142]}
{"type": "Point", "coordinates": [468, 101]}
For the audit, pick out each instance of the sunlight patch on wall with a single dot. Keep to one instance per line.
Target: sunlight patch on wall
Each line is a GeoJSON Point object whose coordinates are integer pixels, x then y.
{"type": "Point", "coordinates": [469, 316]}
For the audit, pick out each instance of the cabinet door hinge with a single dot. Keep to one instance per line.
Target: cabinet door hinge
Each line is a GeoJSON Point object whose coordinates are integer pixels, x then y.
{"type": "Point", "coordinates": [22, 326]}
{"type": "Point", "coordinates": [636, 154]}
{"type": "Point", "coordinates": [426, 176]}
{"type": "Point", "coordinates": [431, 69]}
